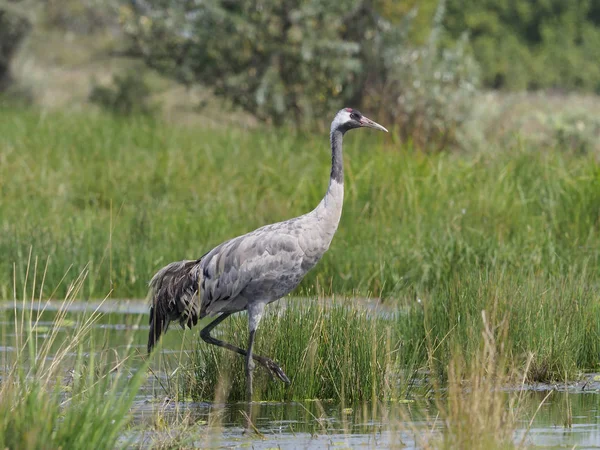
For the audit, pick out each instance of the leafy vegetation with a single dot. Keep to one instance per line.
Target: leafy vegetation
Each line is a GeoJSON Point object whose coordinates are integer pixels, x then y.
{"type": "Point", "coordinates": [84, 17]}
{"type": "Point", "coordinates": [428, 92]}
{"type": "Point", "coordinates": [275, 59]}
{"type": "Point", "coordinates": [282, 64]}
{"type": "Point", "coordinates": [531, 44]}
{"type": "Point", "coordinates": [128, 94]}
{"type": "Point", "coordinates": [296, 62]}
{"type": "Point", "coordinates": [14, 26]}
{"type": "Point", "coordinates": [417, 66]}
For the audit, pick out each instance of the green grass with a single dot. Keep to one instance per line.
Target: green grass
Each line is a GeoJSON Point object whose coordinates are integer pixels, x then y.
{"type": "Point", "coordinates": [512, 231]}
{"type": "Point", "coordinates": [62, 393]}
{"type": "Point", "coordinates": [329, 352]}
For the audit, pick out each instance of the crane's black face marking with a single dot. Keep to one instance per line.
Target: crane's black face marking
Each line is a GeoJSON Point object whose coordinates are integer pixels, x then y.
{"type": "Point", "coordinates": [353, 122]}
{"type": "Point", "coordinates": [355, 115]}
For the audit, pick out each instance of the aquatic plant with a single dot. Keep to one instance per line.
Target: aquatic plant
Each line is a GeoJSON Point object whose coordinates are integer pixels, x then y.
{"type": "Point", "coordinates": [332, 350]}
{"type": "Point", "coordinates": [57, 393]}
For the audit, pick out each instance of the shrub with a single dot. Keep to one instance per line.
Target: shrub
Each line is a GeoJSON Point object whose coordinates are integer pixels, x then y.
{"type": "Point", "coordinates": [14, 27]}
{"type": "Point", "coordinates": [428, 92]}
{"type": "Point", "coordinates": [569, 123]}
{"type": "Point", "coordinates": [278, 60]}
{"type": "Point", "coordinates": [310, 59]}
{"type": "Point", "coordinates": [575, 132]}
{"type": "Point", "coordinates": [531, 45]}
{"type": "Point", "coordinates": [80, 16]}
{"type": "Point", "coordinates": [127, 95]}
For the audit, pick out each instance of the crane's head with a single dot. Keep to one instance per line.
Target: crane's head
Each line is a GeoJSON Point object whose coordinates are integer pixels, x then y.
{"type": "Point", "coordinates": [348, 118]}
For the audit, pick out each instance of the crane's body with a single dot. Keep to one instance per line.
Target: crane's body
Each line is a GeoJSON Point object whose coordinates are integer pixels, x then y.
{"type": "Point", "coordinates": [252, 270]}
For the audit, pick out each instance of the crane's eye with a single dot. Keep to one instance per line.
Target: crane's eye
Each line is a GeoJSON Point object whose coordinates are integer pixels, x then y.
{"type": "Point", "coordinates": [355, 116]}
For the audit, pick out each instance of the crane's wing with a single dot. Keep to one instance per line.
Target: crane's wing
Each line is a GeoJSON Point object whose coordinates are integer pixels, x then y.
{"type": "Point", "coordinates": [263, 265]}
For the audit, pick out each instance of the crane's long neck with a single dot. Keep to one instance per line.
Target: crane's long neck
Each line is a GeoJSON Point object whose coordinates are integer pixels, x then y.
{"type": "Point", "coordinates": [337, 159]}
{"type": "Point", "coordinates": [329, 211]}
{"type": "Point", "coordinates": [334, 198]}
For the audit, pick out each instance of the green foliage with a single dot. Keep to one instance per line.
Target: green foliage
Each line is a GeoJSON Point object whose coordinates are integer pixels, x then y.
{"type": "Point", "coordinates": [553, 319]}
{"type": "Point", "coordinates": [14, 27]}
{"type": "Point", "coordinates": [32, 414]}
{"type": "Point", "coordinates": [532, 44]}
{"type": "Point", "coordinates": [270, 58]}
{"type": "Point", "coordinates": [183, 198]}
{"type": "Point", "coordinates": [128, 95]}
{"type": "Point", "coordinates": [328, 351]}
{"type": "Point", "coordinates": [80, 16]}
{"type": "Point", "coordinates": [420, 11]}
{"type": "Point", "coordinates": [301, 61]}
{"type": "Point", "coordinates": [427, 91]}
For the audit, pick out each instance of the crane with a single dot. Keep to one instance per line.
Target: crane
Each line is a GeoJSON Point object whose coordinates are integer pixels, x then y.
{"type": "Point", "coordinates": [252, 270]}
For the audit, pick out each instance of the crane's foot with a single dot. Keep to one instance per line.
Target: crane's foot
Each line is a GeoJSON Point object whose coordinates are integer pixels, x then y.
{"type": "Point", "coordinates": [273, 368]}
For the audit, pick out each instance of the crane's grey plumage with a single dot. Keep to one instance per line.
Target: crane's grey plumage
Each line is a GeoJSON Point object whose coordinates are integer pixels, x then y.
{"type": "Point", "coordinates": [250, 271]}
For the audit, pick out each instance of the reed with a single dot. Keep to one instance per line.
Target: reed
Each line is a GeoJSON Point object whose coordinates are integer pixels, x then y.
{"type": "Point", "coordinates": [62, 393]}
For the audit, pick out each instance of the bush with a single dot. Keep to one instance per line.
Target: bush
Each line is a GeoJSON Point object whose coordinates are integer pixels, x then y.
{"type": "Point", "coordinates": [13, 29]}
{"type": "Point", "coordinates": [278, 60]}
{"type": "Point", "coordinates": [80, 16]}
{"type": "Point", "coordinates": [531, 44]}
{"type": "Point", "coordinates": [128, 95]}
{"type": "Point", "coordinates": [569, 123]}
{"type": "Point", "coordinates": [573, 131]}
{"type": "Point", "coordinates": [303, 61]}
{"type": "Point", "coordinates": [428, 92]}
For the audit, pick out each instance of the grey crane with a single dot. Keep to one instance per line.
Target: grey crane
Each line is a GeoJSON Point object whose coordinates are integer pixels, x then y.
{"type": "Point", "coordinates": [250, 271]}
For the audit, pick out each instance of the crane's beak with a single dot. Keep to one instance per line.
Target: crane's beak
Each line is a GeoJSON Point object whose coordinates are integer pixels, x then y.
{"type": "Point", "coordinates": [366, 122]}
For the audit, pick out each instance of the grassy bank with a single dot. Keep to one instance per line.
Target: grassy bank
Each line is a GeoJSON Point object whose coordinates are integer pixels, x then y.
{"type": "Point", "coordinates": [513, 231]}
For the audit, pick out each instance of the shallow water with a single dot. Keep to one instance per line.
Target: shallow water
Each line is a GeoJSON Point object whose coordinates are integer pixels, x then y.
{"type": "Point", "coordinates": [568, 418]}
{"type": "Point", "coordinates": [312, 425]}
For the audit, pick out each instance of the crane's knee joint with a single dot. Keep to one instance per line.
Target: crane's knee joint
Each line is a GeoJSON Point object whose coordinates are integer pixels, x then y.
{"type": "Point", "coordinates": [205, 335]}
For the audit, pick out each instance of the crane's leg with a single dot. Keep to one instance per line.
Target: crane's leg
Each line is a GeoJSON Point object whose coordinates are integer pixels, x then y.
{"type": "Point", "coordinates": [267, 363]}
{"type": "Point", "coordinates": [255, 313]}
{"type": "Point", "coordinates": [249, 366]}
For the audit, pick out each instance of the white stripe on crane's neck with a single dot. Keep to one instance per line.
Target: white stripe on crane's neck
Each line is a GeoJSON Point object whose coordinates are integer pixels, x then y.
{"type": "Point", "coordinates": [334, 199]}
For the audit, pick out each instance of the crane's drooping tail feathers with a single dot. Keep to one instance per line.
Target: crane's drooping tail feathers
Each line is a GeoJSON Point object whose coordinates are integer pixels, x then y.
{"type": "Point", "coordinates": [174, 297]}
